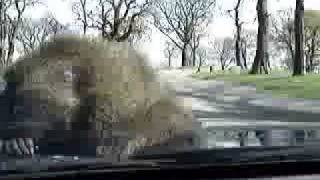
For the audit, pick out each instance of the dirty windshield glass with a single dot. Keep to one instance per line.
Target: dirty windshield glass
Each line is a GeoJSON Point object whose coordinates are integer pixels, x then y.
{"type": "Point", "coordinates": [113, 78]}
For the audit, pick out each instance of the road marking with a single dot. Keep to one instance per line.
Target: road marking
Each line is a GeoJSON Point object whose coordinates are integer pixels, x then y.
{"type": "Point", "coordinates": [231, 123]}
{"type": "Point", "coordinates": [198, 104]}
{"type": "Point", "coordinates": [287, 105]}
{"type": "Point", "coordinates": [228, 99]}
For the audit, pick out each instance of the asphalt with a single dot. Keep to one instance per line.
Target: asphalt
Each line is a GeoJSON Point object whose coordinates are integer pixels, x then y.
{"type": "Point", "coordinates": [223, 101]}
{"type": "Point", "coordinates": [222, 106]}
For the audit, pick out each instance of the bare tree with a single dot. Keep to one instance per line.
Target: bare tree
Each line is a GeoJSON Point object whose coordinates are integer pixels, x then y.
{"type": "Point", "coordinates": [283, 33]}
{"type": "Point", "coordinates": [224, 48]}
{"type": "Point", "coordinates": [298, 67]}
{"type": "Point", "coordinates": [198, 33]}
{"type": "Point", "coordinates": [11, 14]}
{"type": "Point", "coordinates": [262, 57]}
{"type": "Point", "coordinates": [32, 33]}
{"type": "Point", "coordinates": [195, 43]}
{"type": "Point", "coordinates": [141, 32]}
{"type": "Point", "coordinates": [80, 9]}
{"type": "Point", "coordinates": [170, 52]}
{"type": "Point", "coordinates": [247, 43]}
{"type": "Point", "coordinates": [238, 25]}
{"type": "Point", "coordinates": [116, 20]}
{"type": "Point", "coordinates": [312, 38]}
{"type": "Point", "coordinates": [202, 56]}
{"type": "Point", "coordinates": [177, 19]}
{"type": "Point", "coordinates": [312, 41]}
{"type": "Point", "coordinates": [54, 26]}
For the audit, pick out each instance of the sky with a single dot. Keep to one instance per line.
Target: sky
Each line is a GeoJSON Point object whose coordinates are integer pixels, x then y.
{"type": "Point", "coordinates": [221, 26]}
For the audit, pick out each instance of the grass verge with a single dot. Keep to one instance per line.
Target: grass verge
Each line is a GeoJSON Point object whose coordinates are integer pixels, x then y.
{"type": "Point", "coordinates": [279, 84]}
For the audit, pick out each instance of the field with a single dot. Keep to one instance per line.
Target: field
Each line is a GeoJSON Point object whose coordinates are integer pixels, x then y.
{"type": "Point", "coordinates": [279, 83]}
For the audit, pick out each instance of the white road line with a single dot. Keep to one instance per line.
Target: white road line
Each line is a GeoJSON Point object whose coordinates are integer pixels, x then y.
{"type": "Point", "coordinates": [221, 122]}
{"type": "Point", "coordinates": [304, 106]}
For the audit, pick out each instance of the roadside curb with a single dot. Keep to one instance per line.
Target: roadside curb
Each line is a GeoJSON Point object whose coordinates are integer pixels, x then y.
{"type": "Point", "coordinates": [288, 104]}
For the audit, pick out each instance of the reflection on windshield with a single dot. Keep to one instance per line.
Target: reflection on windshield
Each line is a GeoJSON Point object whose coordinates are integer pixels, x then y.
{"type": "Point", "coordinates": [247, 74]}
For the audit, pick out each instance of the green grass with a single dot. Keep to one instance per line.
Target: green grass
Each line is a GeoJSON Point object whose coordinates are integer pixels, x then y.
{"type": "Point", "coordinates": [306, 87]}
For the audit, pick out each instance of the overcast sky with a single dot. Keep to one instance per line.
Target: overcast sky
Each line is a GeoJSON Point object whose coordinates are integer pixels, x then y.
{"type": "Point", "coordinates": [222, 25]}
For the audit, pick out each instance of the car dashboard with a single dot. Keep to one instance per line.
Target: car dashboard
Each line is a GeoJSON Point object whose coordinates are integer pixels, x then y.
{"type": "Point", "coordinates": [259, 171]}
{"type": "Point", "coordinates": [236, 163]}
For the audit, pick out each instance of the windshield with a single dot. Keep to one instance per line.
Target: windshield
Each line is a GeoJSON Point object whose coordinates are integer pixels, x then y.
{"type": "Point", "coordinates": [111, 79]}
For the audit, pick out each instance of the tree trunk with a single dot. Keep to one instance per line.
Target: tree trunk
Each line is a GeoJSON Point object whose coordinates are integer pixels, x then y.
{"type": "Point", "coordinates": [84, 30]}
{"type": "Point", "coordinates": [10, 53]}
{"type": "Point", "coordinates": [313, 49]}
{"type": "Point", "coordinates": [222, 64]}
{"type": "Point", "coordinates": [198, 70]}
{"type": "Point", "coordinates": [238, 57]}
{"type": "Point", "coordinates": [193, 57]}
{"type": "Point", "coordinates": [308, 63]}
{"type": "Point", "coordinates": [298, 67]}
{"type": "Point", "coordinates": [238, 35]}
{"type": "Point", "coordinates": [244, 54]}
{"type": "Point", "coordinates": [290, 61]}
{"type": "Point", "coordinates": [200, 64]}
{"type": "Point", "coordinates": [291, 52]}
{"type": "Point", "coordinates": [261, 58]}
{"type": "Point", "coordinates": [184, 56]}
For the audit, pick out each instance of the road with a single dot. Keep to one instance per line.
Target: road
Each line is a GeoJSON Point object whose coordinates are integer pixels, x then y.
{"type": "Point", "coordinates": [222, 105]}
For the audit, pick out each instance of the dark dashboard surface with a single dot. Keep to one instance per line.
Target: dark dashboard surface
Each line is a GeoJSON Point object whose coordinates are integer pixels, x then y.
{"type": "Point", "coordinates": [242, 163]}
{"type": "Point", "coordinates": [280, 171]}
